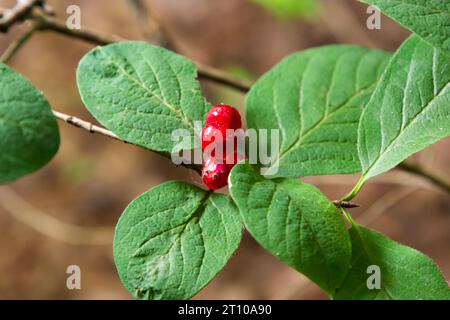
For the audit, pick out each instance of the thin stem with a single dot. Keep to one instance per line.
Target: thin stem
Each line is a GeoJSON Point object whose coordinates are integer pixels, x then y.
{"type": "Point", "coordinates": [349, 218]}
{"type": "Point", "coordinates": [87, 126]}
{"type": "Point", "coordinates": [42, 222]}
{"type": "Point", "coordinates": [15, 46]}
{"type": "Point", "coordinates": [59, 26]}
{"type": "Point", "coordinates": [433, 177]}
{"type": "Point", "coordinates": [79, 123]}
{"type": "Point", "coordinates": [20, 11]}
{"type": "Point", "coordinates": [95, 37]}
{"type": "Point", "coordinates": [222, 77]}
{"type": "Point", "coordinates": [355, 190]}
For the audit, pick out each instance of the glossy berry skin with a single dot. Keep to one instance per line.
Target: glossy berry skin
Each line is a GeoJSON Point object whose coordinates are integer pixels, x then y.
{"type": "Point", "coordinates": [218, 120]}
{"type": "Point", "coordinates": [209, 133]}
{"type": "Point", "coordinates": [214, 174]}
{"type": "Point", "coordinates": [224, 115]}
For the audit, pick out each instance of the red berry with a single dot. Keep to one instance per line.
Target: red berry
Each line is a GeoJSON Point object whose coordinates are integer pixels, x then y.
{"type": "Point", "coordinates": [218, 120]}
{"type": "Point", "coordinates": [224, 115]}
{"type": "Point", "coordinates": [233, 159]}
{"type": "Point", "coordinates": [211, 132]}
{"type": "Point", "coordinates": [215, 175]}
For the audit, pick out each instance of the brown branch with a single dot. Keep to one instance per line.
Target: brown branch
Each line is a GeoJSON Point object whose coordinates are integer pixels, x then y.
{"type": "Point", "coordinates": [76, 122]}
{"type": "Point", "coordinates": [19, 12]}
{"type": "Point", "coordinates": [149, 26]}
{"type": "Point", "coordinates": [87, 126]}
{"type": "Point", "coordinates": [50, 226]}
{"type": "Point", "coordinates": [15, 46]}
{"type": "Point", "coordinates": [51, 23]}
{"type": "Point", "coordinates": [427, 174]}
{"type": "Point", "coordinates": [98, 38]}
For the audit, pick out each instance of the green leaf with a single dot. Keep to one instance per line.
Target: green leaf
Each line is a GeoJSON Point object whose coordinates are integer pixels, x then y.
{"type": "Point", "coordinates": [295, 222]}
{"type": "Point", "coordinates": [142, 93]}
{"type": "Point", "coordinates": [427, 18]}
{"type": "Point", "coordinates": [315, 98]}
{"type": "Point", "coordinates": [405, 273]}
{"type": "Point", "coordinates": [287, 9]}
{"type": "Point", "coordinates": [28, 130]}
{"type": "Point", "coordinates": [409, 110]}
{"type": "Point", "coordinates": [172, 240]}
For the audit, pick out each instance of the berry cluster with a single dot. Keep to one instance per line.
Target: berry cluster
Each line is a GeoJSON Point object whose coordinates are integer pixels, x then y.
{"type": "Point", "coordinates": [216, 171]}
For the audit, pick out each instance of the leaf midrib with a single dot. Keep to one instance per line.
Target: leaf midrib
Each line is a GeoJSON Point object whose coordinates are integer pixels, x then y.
{"type": "Point", "coordinates": [383, 287]}
{"type": "Point", "coordinates": [401, 131]}
{"type": "Point", "coordinates": [172, 108]}
{"type": "Point", "coordinates": [303, 136]}
{"type": "Point", "coordinates": [195, 215]}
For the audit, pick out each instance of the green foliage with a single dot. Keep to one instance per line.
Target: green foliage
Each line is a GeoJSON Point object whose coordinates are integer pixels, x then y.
{"type": "Point", "coordinates": [288, 9]}
{"type": "Point", "coordinates": [315, 98]}
{"type": "Point", "coordinates": [172, 240]}
{"type": "Point", "coordinates": [142, 92]}
{"type": "Point", "coordinates": [340, 109]}
{"type": "Point", "coordinates": [409, 110]}
{"type": "Point", "coordinates": [406, 273]}
{"type": "Point", "coordinates": [29, 133]}
{"type": "Point", "coordinates": [427, 18]}
{"type": "Point", "coordinates": [295, 222]}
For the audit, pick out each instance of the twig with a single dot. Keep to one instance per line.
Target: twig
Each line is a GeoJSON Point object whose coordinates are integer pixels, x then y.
{"type": "Point", "coordinates": [95, 37]}
{"type": "Point", "coordinates": [150, 28]}
{"type": "Point", "coordinates": [74, 121]}
{"type": "Point", "coordinates": [15, 46]}
{"type": "Point", "coordinates": [426, 174]}
{"type": "Point", "coordinates": [20, 11]}
{"type": "Point", "coordinates": [87, 126]}
{"type": "Point", "coordinates": [222, 77]}
{"type": "Point", "coordinates": [50, 226]}
{"type": "Point", "coordinates": [59, 26]}
{"type": "Point", "coordinates": [379, 207]}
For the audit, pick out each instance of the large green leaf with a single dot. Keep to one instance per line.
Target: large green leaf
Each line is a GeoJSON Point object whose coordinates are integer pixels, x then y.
{"type": "Point", "coordinates": [172, 240]}
{"type": "Point", "coordinates": [287, 9]}
{"type": "Point", "coordinates": [315, 98]}
{"type": "Point", "coordinates": [409, 110]}
{"type": "Point", "coordinates": [427, 18]}
{"type": "Point", "coordinates": [295, 222]}
{"type": "Point", "coordinates": [142, 92]}
{"type": "Point", "coordinates": [29, 135]}
{"type": "Point", "coordinates": [405, 273]}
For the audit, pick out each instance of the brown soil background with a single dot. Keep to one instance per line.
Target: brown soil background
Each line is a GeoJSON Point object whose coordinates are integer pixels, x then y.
{"type": "Point", "coordinates": [93, 178]}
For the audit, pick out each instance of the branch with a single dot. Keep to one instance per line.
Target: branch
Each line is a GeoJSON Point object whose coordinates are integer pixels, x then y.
{"type": "Point", "coordinates": [51, 23]}
{"type": "Point", "coordinates": [149, 26]}
{"type": "Point", "coordinates": [15, 46]}
{"type": "Point", "coordinates": [19, 12]}
{"type": "Point", "coordinates": [95, 37]}
{"type": "Point", "coordinates": [429, 175]}
{"type": "Point", "coordinates": [23, 211]}
{"type": "Point", "coordinates": [76, 122]}
{"type": "Point", "coordinates": [87, 126]}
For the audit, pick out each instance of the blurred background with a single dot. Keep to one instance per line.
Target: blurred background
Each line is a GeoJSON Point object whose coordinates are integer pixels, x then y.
{"type": "Point", "coordinates": [65, 214]}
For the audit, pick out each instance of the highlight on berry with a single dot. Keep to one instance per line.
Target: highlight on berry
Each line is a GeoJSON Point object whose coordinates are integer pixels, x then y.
{"type": "Point", "coordinates": [222, 142]}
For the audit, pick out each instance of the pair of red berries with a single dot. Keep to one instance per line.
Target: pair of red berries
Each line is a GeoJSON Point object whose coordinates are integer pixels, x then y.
{"type": "Point", "coordinates": [216, 171]}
